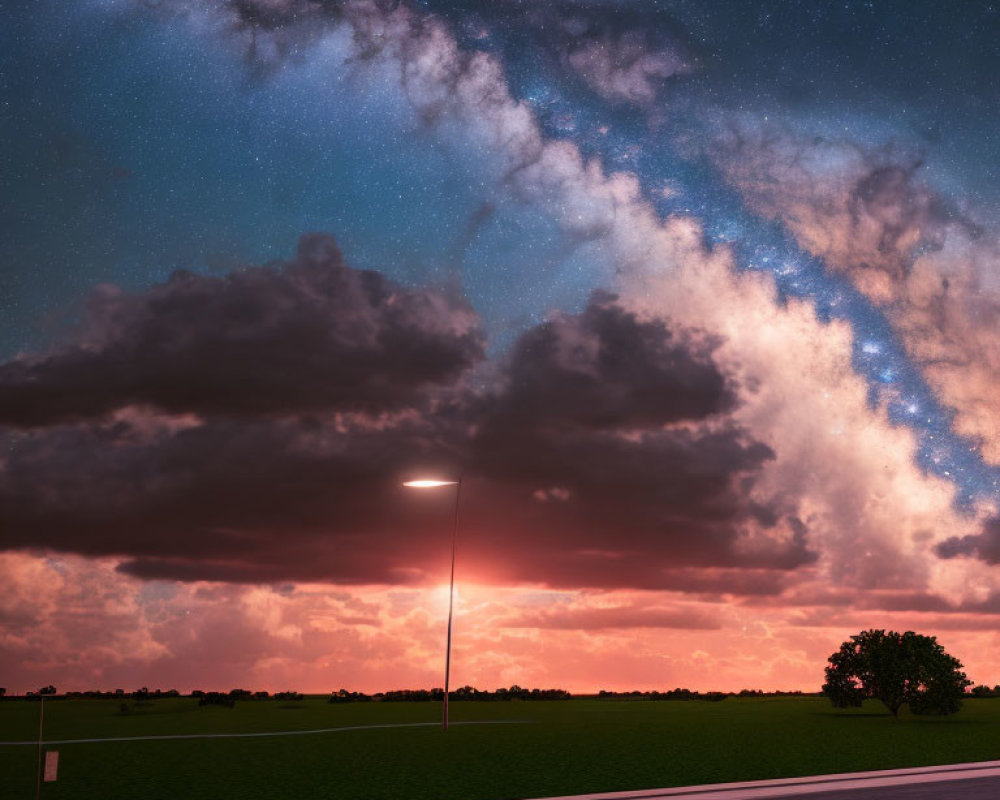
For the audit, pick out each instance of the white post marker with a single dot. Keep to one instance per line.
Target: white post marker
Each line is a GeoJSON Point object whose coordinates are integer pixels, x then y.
{"type": "Point", "coordinates": [51, 765]}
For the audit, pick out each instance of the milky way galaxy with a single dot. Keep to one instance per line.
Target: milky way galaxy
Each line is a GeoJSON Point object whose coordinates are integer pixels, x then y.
{"type": "Point", "coordinates": [701, 299]}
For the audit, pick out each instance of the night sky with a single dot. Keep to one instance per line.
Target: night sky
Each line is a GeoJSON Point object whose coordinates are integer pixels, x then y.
{"type": "Point", "coordinates": [702, 300]}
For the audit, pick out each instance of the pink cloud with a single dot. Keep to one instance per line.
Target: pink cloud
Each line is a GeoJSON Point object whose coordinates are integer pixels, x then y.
{"type": "Point", "coordinates": [216, 636]}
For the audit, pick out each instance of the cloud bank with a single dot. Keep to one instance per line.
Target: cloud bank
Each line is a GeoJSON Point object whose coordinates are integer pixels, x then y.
{"type": "Point", "coordinates": [310, 336]}
{"type": "Point", "coordinates": [255, 428]}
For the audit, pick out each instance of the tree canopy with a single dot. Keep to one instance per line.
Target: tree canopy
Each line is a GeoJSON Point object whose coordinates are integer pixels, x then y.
{"type": "Point", "coordinates": [896, 668]}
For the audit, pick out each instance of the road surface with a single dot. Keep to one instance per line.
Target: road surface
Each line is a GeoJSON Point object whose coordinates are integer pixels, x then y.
{"type": "Point", "coordinates": [974, 781]}
{"type": "Point", "coordinates": [972, 789]}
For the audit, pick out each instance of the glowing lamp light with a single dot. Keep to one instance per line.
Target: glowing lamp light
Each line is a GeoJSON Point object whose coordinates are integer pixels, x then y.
{"type": "Point", "coordinates": [429, 484]}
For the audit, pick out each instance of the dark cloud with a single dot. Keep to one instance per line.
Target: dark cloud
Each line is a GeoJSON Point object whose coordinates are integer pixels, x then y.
{"type": "Point", "coordinates": [984, 546]}
{"type": "Point", "coordinates": [605, 368]}
{"type": "Point", "coordinates": [608, 509]}
{"type": "Point", "coordinates": [615, 618]}
{"type": "Point", "coordinates": [257, 428]}
{"type": "Point", "coordinates": [744, 580]}
{"type": "Point", "coordinates": [308, 335]}
{"type": "Point", "coordinates": [896, 215]}
{"type": "Point", "coordinates": [278, 14]}
{"type": "Point", "coordinates": [279, 31]}
{"type": "Point", "coordinates": [626, 55]}
{"type": "Point", "coordinates": [902, 601]}
{"type": "Point", "coordinates": [869, 212]}
{"type": "Point", "coordinates": [615, 427]}
{"type": "Point", "coordinates": [273, 14]}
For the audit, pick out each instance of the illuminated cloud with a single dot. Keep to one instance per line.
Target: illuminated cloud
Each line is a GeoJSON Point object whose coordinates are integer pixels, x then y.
{"type": "Point", "coordinates": [872, 214]}
{"type": "Point", "coordinates": [625, 55]}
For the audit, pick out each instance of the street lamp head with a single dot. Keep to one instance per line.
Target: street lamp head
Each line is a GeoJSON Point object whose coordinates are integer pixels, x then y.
{"type": "Point", "coordinates": [428, 484]}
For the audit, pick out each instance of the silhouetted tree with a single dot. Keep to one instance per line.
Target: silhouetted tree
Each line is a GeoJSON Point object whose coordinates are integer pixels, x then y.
{"type": "Point", "coordinates": [896, 668]}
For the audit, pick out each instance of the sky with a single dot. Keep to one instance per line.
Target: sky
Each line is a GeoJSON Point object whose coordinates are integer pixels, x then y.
{"type": "Point", "coordinates": [700, 299]}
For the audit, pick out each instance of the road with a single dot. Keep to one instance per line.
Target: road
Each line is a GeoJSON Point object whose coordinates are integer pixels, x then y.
{"type": "Point", "coordinates": [972, 789]}
{"type": "Point", "coordinates": [974, 781]}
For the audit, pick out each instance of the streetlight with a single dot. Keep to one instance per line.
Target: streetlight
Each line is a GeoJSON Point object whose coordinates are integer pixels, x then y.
{"type": "Point", "coordinates": [434, 484]}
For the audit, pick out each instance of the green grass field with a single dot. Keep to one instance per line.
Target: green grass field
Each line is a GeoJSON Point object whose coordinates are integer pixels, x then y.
{"type": "Point", "coordinates": [569, 747]}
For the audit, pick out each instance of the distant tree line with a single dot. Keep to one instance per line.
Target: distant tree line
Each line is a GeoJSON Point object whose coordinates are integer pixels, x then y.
{"type": "Point", "coordinates": [673, 694]}
{"type": "Point", "coordinates": [235, 694]}
{"type": "Point", "coordinates": [97, 694]}
{"type": "Point", "coordinates": [465, 693]}
{"type": "Point", "coordinates": [985, 691]}
{"type": "Point", "coordinates": [689, 694]}
{"type": "Point", "coordinates": [514, 692]}
{"type": "Point", "coordinates": [228, 699]}
{"type": "Point", "coordinates": [344, 696]}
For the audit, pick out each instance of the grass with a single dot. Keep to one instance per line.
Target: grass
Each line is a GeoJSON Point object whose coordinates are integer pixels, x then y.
{"type": "Point", "coordinates": [570, 747]}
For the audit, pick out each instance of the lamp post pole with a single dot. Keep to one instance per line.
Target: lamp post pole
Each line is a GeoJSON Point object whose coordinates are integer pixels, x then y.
{"type": "Point", "coordinates": [433, 484]}
{"type": "Point", "coordinates": [451, 602]}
